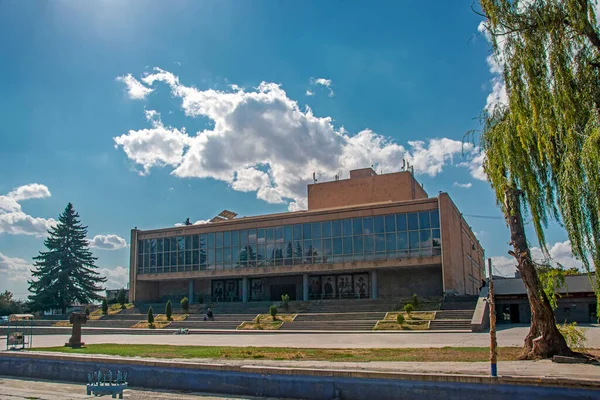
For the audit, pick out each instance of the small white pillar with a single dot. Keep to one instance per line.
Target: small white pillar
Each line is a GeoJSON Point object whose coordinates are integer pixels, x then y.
{"type": "Point", "coordinates": [305, 287]}
{"type": "Point", "coordinates": [245, 289]}
{"type": "Point", "coordinates": [373, 284]}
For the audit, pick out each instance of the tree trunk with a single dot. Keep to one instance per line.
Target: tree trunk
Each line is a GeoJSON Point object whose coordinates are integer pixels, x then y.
{"type": "Point", "coordinates": [544, 340]}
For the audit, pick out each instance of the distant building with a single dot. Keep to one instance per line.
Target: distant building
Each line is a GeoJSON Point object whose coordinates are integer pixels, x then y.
{"type": "Point", "coordinates": [114, 294]}
{"type": "Point", "coordinates": [577, 301]}
{"type": "Point", "coordinates": [368, 236]}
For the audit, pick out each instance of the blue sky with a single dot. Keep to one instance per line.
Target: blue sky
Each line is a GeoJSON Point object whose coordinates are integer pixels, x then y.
{"type": "Point", "coordinates": [102, 102]}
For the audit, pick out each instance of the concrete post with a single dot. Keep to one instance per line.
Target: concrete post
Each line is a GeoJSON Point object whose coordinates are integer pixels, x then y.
{"type": "Point", "coordinates": [245, 289]}
{"type": "Point", "coordinates": [305, 287]}
{"type": "Point", "coordinates": [191, 291]}
{"type": "Point", "coordinates": [373, 284]}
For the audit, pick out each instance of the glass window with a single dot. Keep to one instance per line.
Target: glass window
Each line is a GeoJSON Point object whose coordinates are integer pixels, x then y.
{"type": "Point", "coordinates": [327, 247]}
{"type": "Point", "coordinates": [188, 257]}
{"type": "Point", "coordinates": [336, 228]}
{"type": "Point", "coordinates": [140, 261]}
{"type": "Point", "coordinates": [347, 227]}
{"type": "Point", "coordinates": [390, 242]}
{"type": "Point", "coordinates": [316, 230]}
{"type": "Point", "coordinates": [227, 258]}
{"type": "Point", "coordinates": [152, 260]}
{"type": "Point", "coordinates": [147, 246]}
{"type": "Point", "coordinates": [378, 224]}
{"type": "Point", "coordinates": [298, 251]}
{"type": "Point", "coordinates": [337, 246]}
{"type": "Point", "coordinates": [210, 259]}
{"type": "Point", "coordinates": [390, 223]}
{"type": "Point", "coordinates": [244, 237]}
{"type": "Point", "coordinates": [435, 218]}
{"type": "Point", "coordinates": [173, 258]}
{"type": "Point", "coordinates": [436, 238]}
{"type": "Point", "coordinates": [287, 233]}
{"type": "Point", "coordinates": [152, 245]}
{"type": "Point", "coordinates": [326, 229]}
{"type": "Point", "coordinates": [235, 238]}
{"type": "Point", "coordinates": [358, 245]}
{"type": "Point", "coordinates": [180, 243]}
{"type": "Point", "coordinates": [159, 245]}
{"type": "Point", "coordinates": [260, 251]}
{"type": "Point", "coordinates": [279, 234]}
{"type": "Point", "coordinates": [401, 222]}
{"type": "Point", "coordinates": [425, 236]}
{"type": "Point", "coordinates": [243, 256]}
{"type": "Point", "coordinates": [379, 242]}
{"type": "Point", "coordinates": [251, 254]}
{"type": "Point", "coordinates": [188, 242]}
{"type": "Point", "coordinates": [227, 239]}
{"type": "Point", "coordinates": [146, 261]}
{"type": "Point", "coordinates": [308, 252]}
{"type": "Point", "coordinates": [369, 245]}
{"type": "Point", "coordinates": [235, 256]}
{"type": "Point", "coordinates": [270, 253]}
{"type": "Point", "coordinates": [195, 242]}
{"type": "Point", "coordinates": [219, 239]}
{"type": "Point", "coordinates": [317, 247]}
{"type": "Point", "coordinates": [181, 258]}
{"type": "Point", "coordinates": [413, 221]}
{"type": "Point", "coordinates": [402, 241]}
{"type": "Point", "coordinates": [167, 245]}
{"type": "Point", "coordinates": [289, 250]}
{"type": "Point", "coordinates": [306, 231]}
{"type": "Point", "coordinates": [252, 236]}
{"type": "Point", "coordinates": [347, 245]}
{"type": "Point", "coordinates": [159, 260]}
{"type": "Point", "coordinates": [413, 240]}
{"type": "Point", "coordinates": [424, 222]}
{"type": "Point", "coordinates": [167, 259]}
{"type": "Point", "coordinates": [261, 236]}
{"type": "Point", "coordinates": [195, 257]}
{"type": "Point", "coordinates": [357, 225]}
{"type": "Point", "coordinates": [297, 232]}
{"type": "Point", "coordinates": [367, 226]}
{"type": "Point", "coordinates": [270, 235]}
{"type": "Point", "coordinates": [140, 246]}
{"type": "Point", "coordinates": [210, 240]}
{"type": "Point", "coordinates": [278, 251]}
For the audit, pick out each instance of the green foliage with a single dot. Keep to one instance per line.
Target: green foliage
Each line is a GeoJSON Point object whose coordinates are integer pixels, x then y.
{"type": "Point", "coordinates": [574, 335]}
{"type": "Point", "coordinates": [273, 311]}
{"type": "Point", "coordinates": [400, 319]}
{"type": "Point", "coordinates": [415, 301]}
{"type": "Point", "coordinates": [66, 273]}
{"type": "Point", "coordinates": [150, 316]}
{"type": "Point", "coordinates": [104, 306]}
{"type": "Point", "coordinates": [168, 310]}
{"type": "Point", "coordinates": [87, 311]}
{"type": "Point", "coordinates": [285, 300]}
{"type": "Point", "coordinates": [185, 304]}
{"type": "Point", "coordinates": [552, 279]}
{"type": "Point", "coordinates": [408, 309]}
{"type": "Point", "coordinates": [546, 140]}
{"type": "Point", "coordinates": [10, 305]}
{"type": "Point", "coordinates": [121, 298]}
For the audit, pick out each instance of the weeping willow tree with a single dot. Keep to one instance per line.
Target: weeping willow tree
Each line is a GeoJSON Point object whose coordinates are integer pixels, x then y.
{"type": "Point", "coordinates": [543, 145]}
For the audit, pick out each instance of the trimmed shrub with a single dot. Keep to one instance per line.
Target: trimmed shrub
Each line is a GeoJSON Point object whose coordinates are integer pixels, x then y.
{"type": "Point", "coordinates": [121, 298]}
{"type": "Point", "coordinates": [273, 311]}
{"type": "Point", "coordinates": [185, 304]}
{"type": "Point", "coordinates": [104, 306]}
{"type": "Point", "coordinates": [285, 300]}
{"type": "Point", "coordinates": [415, 301]}
{"type": "Point", "coordinates": [87, 311]}
{"type": "Point", "coordinates": [400, 319]}
{"type": "Point", "coordinates": [408, 309]}
{"type": "Point", "coordinates": [150, 316]}
{"type": "Point", "coordinates": [168, 310]}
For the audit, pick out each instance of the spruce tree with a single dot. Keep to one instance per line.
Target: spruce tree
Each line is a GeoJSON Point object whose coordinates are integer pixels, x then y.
{"type": "Point", "coordinates": [66, 273]}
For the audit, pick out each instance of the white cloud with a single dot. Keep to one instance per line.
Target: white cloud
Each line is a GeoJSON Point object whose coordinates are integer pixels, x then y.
{"type": "Point", "coordinates": [14, 221]}
{"type": "Point", "coordinates": [117, 278]}
{"type": "Point", "coordinates": [498, 95]}
{"type": "Point", "coordinates": [15, 269]}
{"type": "Point", "coordinates": [475, 165]}
{"type": "Point", "coordinates": [559, 252]}
{"type": "Point", "coordinates": [462, 185]}
{"type": "Point", "coordinates": [309, 93]}
{"type": "Point", "coordinates": [322, 82]}
{"type": "Point", "coordinates": [108, 242]}
{"type": "Point", "coordinates": [135, 89]}
{"type": "Point", "coordinates": [262, 141]}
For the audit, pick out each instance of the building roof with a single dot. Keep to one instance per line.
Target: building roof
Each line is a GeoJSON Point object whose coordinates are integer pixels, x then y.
{"type": "Point", "coordinates": [574, 284]}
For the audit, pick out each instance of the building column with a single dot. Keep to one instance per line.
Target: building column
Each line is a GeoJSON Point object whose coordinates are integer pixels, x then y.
{"type": "Point", "coordinates": [374, 284]}
{"type": "Point", "coordinates": [245, 289]}
{"type": "Point", "coordinates": [305, 287]}
{"type": "Point", "coordinates": [191, 291]}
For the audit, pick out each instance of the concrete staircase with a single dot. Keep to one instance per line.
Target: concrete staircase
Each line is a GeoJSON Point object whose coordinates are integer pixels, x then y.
{"type": "Point", "coordinates": [358, 325]}
{"type": "Point", "coordinates": [353, 306]}
{"type": "Point", "coordinates": [222, 321]}
{"type": "Point", "coordinates": [455, 314]}
{"type": "Point", "coordinates": [450, 325]}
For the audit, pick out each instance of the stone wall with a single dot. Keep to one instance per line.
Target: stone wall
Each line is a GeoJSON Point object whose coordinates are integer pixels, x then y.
{"type": "Point", "coordinates": [424, 281]}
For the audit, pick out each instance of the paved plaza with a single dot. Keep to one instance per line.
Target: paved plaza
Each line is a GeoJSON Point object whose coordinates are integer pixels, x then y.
{"type": "Point", "coordinates": [512, 336]}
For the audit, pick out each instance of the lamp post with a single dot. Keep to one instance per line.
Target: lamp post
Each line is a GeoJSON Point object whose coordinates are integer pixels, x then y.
{"type": "Point", "coordinates": [493, 342]}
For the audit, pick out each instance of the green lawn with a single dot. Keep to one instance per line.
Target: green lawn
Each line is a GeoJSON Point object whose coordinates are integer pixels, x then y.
{"type": "Point", "coordinates": [274, 353]}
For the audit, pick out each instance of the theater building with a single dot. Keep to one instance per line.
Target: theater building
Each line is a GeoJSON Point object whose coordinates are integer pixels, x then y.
{"type": "Point", "coordinates": [368, 236]}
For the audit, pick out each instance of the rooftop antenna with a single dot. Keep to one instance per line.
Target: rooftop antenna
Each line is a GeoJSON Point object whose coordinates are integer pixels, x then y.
{"type": "Point", "coordinates": [314, 177]}
{"type": "Point", "coordinates": [337, 177]}
{"type": "Point", "coordinates": [403, 164]}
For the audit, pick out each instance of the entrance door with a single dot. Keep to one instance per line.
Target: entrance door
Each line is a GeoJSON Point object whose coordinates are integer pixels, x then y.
{"type": "Point", "coordinates": [279, 290]}
{"type": "Point", "coordinates": [593, 316]}
{"type": "Point", "coordinates": [515, 318]}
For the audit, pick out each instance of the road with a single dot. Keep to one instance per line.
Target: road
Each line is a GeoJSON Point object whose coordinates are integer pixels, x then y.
{"type": "Point", "coordinates": [512, 336]}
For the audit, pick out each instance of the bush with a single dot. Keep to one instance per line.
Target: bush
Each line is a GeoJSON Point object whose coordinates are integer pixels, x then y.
{"type": "Point", "coordinates": [273, 311]}
{"type": "Point", "coordinates": [87, 311]}
{"type": "Point", "coordinates": [574, 335]}
{"type": "Point", "coordinates": [408, 309]}
{"type": "Point", "coordinates": [185, 304]}
{"type": "Point", "coordinates": [415, 301]}
{"type": "Point", "coordinates": [168, 310]}
{"type": "Point", "coordinates": [150, 316]}
{"type": "Point", "coordinates": [400, 319]}
{"type": "Point", "coordinates": [104, 306]}
{"type": "Point", "coordinates": [285, 300]}
{"type": "Point", "coordinates": [121, 298]}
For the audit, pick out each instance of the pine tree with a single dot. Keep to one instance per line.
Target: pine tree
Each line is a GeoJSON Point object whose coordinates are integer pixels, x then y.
{"type": "Point", "coordinates": [104, 306]}
{"type": "Point", "coordinates": [121, 298]}
{"type": "Point", "coordinates": [168, 310]}
{"type": "Point", "coordinates": [66, 273]}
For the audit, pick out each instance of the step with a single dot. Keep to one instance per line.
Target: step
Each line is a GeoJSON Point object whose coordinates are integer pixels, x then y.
{"type": "Point", "coordinates": [205, 325]}
{"type": "Point", "coordinates": [450, 324]}
{"type": "Point", "coordinates": [366, 316]}
{"type": "Point", "coordinates": [329, 326]}
{"type": "Point", "coordinates": [454, 314]}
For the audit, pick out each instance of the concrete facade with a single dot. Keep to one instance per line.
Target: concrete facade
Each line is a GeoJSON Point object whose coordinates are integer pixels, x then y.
{"type": "Point", "coordinates": [456, 266]}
